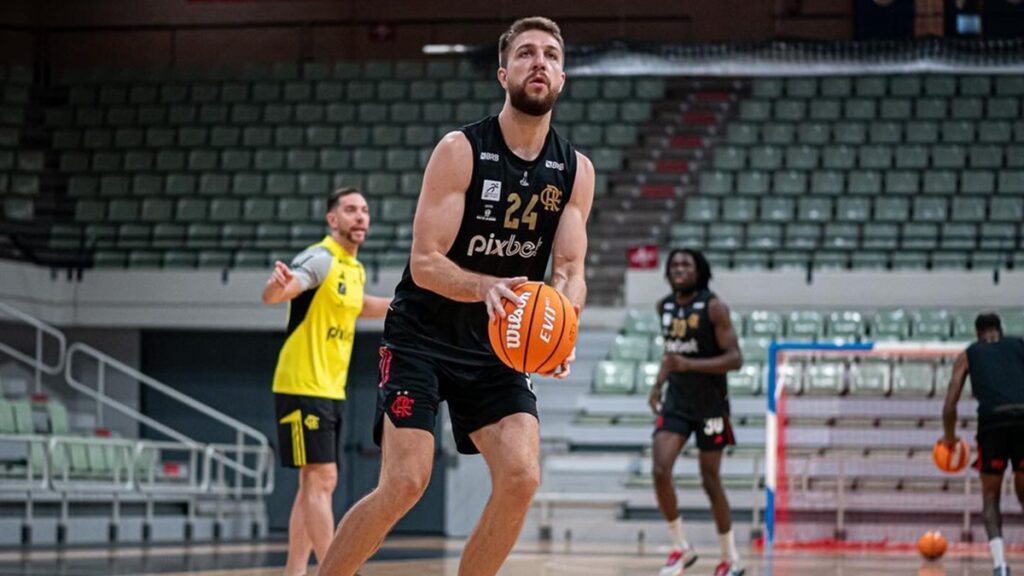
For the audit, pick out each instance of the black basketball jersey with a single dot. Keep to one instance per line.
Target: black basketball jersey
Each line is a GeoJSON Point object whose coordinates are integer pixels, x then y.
{"type": "Point", "coordinates": [997, 380]}
{"type": "Point", "coordinates": [688, 331]}
{"type": "Point", "coordinates": [511, 214]}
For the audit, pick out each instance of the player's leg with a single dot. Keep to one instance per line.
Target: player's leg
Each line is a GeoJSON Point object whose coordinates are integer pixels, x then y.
{"type": "Point", "coordinates": [991, 488]}
{"type": "Point", "coordinates": [299, 544]}
{"type": "Point", "coordinates": [669, 439]}
{"type": "Point", "coordinates": [406, 463]}
{"type": "Point", "coordinates": [713, 436]}
{"type": "Point", "coordinates": [316, 489]}
{"type": "Point", "coordinates": [511, 448]}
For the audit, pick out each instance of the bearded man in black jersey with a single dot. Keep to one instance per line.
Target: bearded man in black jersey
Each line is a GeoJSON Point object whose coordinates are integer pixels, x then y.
{"type": "Point", "coordinates": [700, 348]}
{"type": "Point", "coordinates": [500, 198]}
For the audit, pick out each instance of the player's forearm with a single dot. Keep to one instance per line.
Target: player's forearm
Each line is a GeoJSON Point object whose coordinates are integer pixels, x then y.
{"type": "Point", "coordinates": [664, 370]}
{"type": "Point", "coordinates": [571, 282]}
{"type": "Point", "coordinates": [949, 423]}
{"type": "Point", "coordinates": [721, 364]}
{"type": "Point", "coordinates": [273, 293]}
{"type": "Point", "coordinates": [437, 273]}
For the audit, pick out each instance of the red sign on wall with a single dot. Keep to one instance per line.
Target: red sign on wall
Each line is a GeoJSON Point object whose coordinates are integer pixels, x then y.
{"type": "Point", "coordinates": [643, 257]}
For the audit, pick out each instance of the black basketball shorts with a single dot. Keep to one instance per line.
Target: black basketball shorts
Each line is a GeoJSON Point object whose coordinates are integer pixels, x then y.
{"type": "Point", "coordinates": [308, 429]}
{"type": "Point", "coordinates": [1000, 447]}
{"type": "Point", "coordinates": [412, 386]}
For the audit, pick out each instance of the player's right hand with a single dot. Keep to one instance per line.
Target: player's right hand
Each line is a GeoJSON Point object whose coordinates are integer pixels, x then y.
{"type": "Point", "coordinates": [499, 289]}
{"type": "Point", "coordinates": [282, 274]}
{"type": "Point", "coordinates": [654, 400]}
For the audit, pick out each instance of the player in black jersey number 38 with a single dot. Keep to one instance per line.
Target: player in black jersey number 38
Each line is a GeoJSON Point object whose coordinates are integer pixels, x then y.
{"type": "Point", "coordinates": [700, 348]}
{"type": "Point", "coordinates": [499, 198]}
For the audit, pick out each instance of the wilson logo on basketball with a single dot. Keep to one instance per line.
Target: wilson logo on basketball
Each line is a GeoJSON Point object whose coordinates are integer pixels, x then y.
{"type": "Point", "coordinates": [538, 332]}
{"type": "Point", "coordinates": [402, 407]}
{"type": "Point", "coordinates": [515, 322]}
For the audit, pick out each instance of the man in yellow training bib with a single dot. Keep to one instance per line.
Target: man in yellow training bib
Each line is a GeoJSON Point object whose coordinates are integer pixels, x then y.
{"type": "Point", "coordinates": [324, 289]}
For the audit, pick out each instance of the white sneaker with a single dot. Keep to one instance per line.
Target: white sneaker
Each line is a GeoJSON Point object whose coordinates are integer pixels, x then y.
{"type": "Point", "coordinates": [678, 560]}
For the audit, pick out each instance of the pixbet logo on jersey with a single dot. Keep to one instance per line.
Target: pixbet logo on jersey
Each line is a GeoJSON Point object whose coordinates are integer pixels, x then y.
{"type": "Point", "coordinates": [492, 246]}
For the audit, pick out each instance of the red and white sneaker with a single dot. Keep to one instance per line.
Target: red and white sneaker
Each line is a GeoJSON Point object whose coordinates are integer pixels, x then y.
{"type": "Point", "coordinates": [678, 560]}
{"type": "Point", "coordinates": [727, 569]}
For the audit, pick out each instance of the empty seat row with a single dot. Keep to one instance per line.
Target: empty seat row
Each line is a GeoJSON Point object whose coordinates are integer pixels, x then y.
{"type": "Point", "coordinates": [867, 109]}
{"type": "Point", "coordinates": [868, 182]}
{"type": "Point", "coordinates": [856, 209]}
{"type": "Point", "coordinates": [244, 183]}
{"type": "Point", "coordinates": [844, 157]}
{"type": "Point", "coordinates": [902, 85]}
{"type": "Point", "coordinates": [851, 257]}
{"type": "Point", "coordinates": [879, 132]}
{"type": "Point", "coordinates": [221, 209]}
{"type": "Point", "coordinates": [223, 258]}
{"type": "Point", "coordinates": [853, 209]}
{"type": "Point", "coordinates": [363, 112]}
{"type": "Point", "coordinates": [242, 159]}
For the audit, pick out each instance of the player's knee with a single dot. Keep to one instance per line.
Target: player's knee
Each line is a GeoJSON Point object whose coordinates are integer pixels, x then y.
{"type": "Point", "coordinates": [662, 471]}
{"type": "Point", "coordinates": [403, 491]}
{"type": "Point", "coordinates": [520, 482]}
{"type": "Point", "coordinates": [321, 479]}
{"type": "Point", "coordinates": [710, 479]}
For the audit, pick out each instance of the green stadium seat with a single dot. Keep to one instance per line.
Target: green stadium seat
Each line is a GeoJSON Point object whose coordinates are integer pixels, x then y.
{"type": "Point", "coordinates": [950, 261]}
{"type": "Point", "coordinates": [802, 157]}
{"type": "Point", "coordinates": [617, 88]}
{"type": "Point", "coordinates": [646, 375]}
{"type": "Point", "coordinates": [614, 377]}
{"type": "Point", "coordinates": [750, 261]}
{"type": "Point", "coordinates": [635, 112]}
{"type": "Point", "coordinates": [156, 210]}
{"type": "Point", "coordinates": [859, 109]}
{"type": "Point", "coordinates": [687, 235]}
{"type": "Point", "coordinates": [931, 325]}
{"type": "Point", "coordinates": [741, 133]}
{"type": "Point", "coordinates": [642, 322]}
{"type": "Point", "coordinates": [901, 182]}
{"type": "Point", "coordinates": [1011, 85]}
{"type": "Point", "coordinates": [995, 131]}
{"type": "Point", "coordinates": [870, 86]}
{"type": "Point", "coordinates": [755, 110]}
{"type": "Point", "coordinates": [650, 88]}
{"type": "Point", "coordinates": [764, 236]}
{"type": "Point", "coordinates": [739, 209]}
{"type": "Point", "coordinates": [890, 325]}
{"type": "Point", "coordinates": [885, 133]}
{"type": "Point", "coordinates": [824, 378]}
{"type": "Point", "coordinates": [875, 157]}
{"type": "Point", "coordinates": [913, 379]}
{"type": "Point", "coordinates": [850, 133]}
{"type": "Point", "coordinates": [805, 325]}
{"type": "Point", "coordinates": [958, 131]}
{"type": "Point", "coordinates": [919, 236]}
{"type": "Point", "coordinates": [998, 236]}
{"type": "Point", "coordinates": [620, 135]}
{"type": "Point", "coordinates": [911, 157]}
{"type": "Point", "coordinates": [821, 109]}
{"type": "Point", "coordinates": [746, 381]}
{"type": "Point", "coordinates": [776, 209]}
{"type": "Point", "coordinates": [898, 109]}
{"type": "Point", "coordinates": [930, 209]}
{"type": "Point", "coordinates": [867, 182]}
{"type": "Point", "coordinates": [940, 86]}
{"type": "Point", "coordinates": [967, 108]}
{"type": "Point", "coordinates": [838, 157]}
{"type": "Point", "coordinates": [764, 324]}
{"type": "Point", "coordinates": [870, 377]}
{"type": "Point", "coordinates": [827, 182]}
{"type": "Point", "coordinates": [789, 182]}
{"type": "Point", "coordinates": [1003, 108]}
{"type": "Point", "coordinates": [835, 86]}
{"type": "Point", "coordinates": [949, 156]}
{"type": "Point", "coordinates": [753, 183]}
{"type": "Point", "coordinates": [921, 132]}
{"type": "Point", "coordinates": [631, 347]}
{"type": "Point", "coordinates": [853, 209]}
{"type": "Point", "coordinates": [940, 182]}
{"type": "Point", "coordinates": [801, 87]}
{"type": "Point", "coordinates": [969, 209]}
{"type": "Point", "coordinates": [814, 133]}
{"type": "Point", "coordinates": [777, 133]}
{"type": "Point", "coordinates": [716, 182]}
{"type": "Point", "coordinates": [881, 236]}
{"type": "Point", "coordinates": [977, 182]}
{"type": "Point", "coordinates": [1011, 182]}
{"type": "Point", "coordinates": [309, 113]}
{"type": "Point", "coordinates": [766, 87]}
{"type": "Point", "coordinates": [602, 111]}
{"type": "Point", "coordinates": [801, 237]}
{"type": "Point", "coordinates": [910, 260]}
{"type": "Point", "coordinates": [725, 236]}
{"type": "Point", "coordinates": [168, 235]}
{"type": "Point", "coordinates": [815, 209]}
{"type": "Point", "coordinates": [257, 209]}
{"type": "Point", "coordinates": [606, 159]}
{"type": "Point", "coordinates": [755, 351]}
{"type": "Point", "coordinates": [1004, 209]}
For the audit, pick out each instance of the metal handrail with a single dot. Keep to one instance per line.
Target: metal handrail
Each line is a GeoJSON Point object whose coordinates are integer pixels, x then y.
{"type": "Point", "coordinates": [38, 364]}
{"type": "Point", "coordinates": [243, 432]}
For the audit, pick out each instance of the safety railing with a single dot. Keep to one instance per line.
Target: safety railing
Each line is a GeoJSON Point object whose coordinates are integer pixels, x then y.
{"type": "Point", "coordinates": [38, 362]}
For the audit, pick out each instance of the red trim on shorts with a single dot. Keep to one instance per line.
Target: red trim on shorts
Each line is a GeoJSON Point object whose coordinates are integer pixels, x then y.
{"type": "Point", "coordinates": [385, 366]}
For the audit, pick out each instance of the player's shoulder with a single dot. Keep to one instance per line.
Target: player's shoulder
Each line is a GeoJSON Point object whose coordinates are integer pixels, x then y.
{"type": "Point", "coordinates": [666, 303]}
{"type": "Point", "coordinates": [312, 253]}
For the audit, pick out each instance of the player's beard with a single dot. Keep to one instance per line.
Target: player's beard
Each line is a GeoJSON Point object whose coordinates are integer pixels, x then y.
{"type": "Point", "coordinates": [531, 105]}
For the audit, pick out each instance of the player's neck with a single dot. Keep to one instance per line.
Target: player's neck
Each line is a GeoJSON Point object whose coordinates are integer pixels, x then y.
{"type": "Point", "coordinates": [524, 134]}
{"type": "Point", "coordinates": [684, 298]}
{"type": "Point", "coordinates": [351, 247]}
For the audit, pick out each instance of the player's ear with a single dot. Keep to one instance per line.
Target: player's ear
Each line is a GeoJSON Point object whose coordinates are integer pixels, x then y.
{"type": "Point", "coordinates": [332, 219]}
{"type": "Point", "coordinates": [503, 77]}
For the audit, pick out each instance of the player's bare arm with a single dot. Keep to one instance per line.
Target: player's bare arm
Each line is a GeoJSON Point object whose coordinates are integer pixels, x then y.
{"type": "Point", "coordinates": [569, 252]}
{"type": "Point", "coordinates": [956, 386]}
{"type": "Point", "coordinates": [730, 359]}
{"type": "Point", "coordinates": [438, 217]}
{"type": "Point", "coordinates": [374, 306]}
{"type": "Point", "coordinates": [282, 286]}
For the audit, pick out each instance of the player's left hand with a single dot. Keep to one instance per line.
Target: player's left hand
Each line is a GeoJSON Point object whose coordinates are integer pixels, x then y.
{"type": "Point", "coordinates": [950, 443]}
{"type": "Point", "coordinates": [680, 363]}
{"type": "Point", "coordinates": [564, 369]}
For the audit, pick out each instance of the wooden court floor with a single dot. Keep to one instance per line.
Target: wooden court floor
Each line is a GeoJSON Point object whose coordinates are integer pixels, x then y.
{"type": "Point", "coordinates": [439, 557]}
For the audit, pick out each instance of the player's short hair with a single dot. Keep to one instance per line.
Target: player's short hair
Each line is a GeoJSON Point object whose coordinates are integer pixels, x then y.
{"type": "Point", "coordinates": [336, 195]}
{"type": "Point", "coordinates": [988, 321]}
{"type": "Point", "coordinates": [525, 25]}
{"type": "Point", "coordinates": [703, 267]}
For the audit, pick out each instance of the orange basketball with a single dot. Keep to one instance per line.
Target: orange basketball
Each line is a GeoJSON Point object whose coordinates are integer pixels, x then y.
{"type": "Point", "coordinates": [538, 332]}
{"type": "Point", "coordinates": [932, 545]}
{"type": "Point", "coordinates": [954, 460]}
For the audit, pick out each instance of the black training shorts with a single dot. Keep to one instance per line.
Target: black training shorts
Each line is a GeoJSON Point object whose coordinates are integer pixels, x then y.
{"type": "Point", "coordinates": [308, 429]}
{"type": "Point", "coordinates": [412, 387]}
